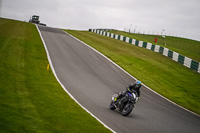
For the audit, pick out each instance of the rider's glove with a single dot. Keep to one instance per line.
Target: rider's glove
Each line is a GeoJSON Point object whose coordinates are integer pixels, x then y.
{"type": "Point", "coordinates": [138, 98]}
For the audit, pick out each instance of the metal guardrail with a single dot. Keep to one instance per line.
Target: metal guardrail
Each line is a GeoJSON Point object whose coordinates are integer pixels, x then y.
{"type": "Point", "coordinates": [190, 63]}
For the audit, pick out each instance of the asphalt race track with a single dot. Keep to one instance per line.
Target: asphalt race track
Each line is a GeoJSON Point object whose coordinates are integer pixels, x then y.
{"type": "Point", "coordinates": [92, 80]}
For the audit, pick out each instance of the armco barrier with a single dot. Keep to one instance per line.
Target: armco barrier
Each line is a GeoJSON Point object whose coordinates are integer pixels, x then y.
{"type": "Point", "coordinates": [190, 63]}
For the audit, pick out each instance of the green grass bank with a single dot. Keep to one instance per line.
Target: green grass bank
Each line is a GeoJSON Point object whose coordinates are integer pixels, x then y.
{"type": "Point", "coordinates": [165, 76]}
{"type": "Point", "coordinates": [31, 99]}
{"type": "Point", "coordinates": [186, 47]}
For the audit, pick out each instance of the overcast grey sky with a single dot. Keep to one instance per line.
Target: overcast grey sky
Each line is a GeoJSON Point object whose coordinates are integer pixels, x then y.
{"type": "Point", "coordinates": [177, 17]}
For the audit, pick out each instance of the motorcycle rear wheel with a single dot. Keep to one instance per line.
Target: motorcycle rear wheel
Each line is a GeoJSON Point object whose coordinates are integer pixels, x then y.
{"type": "Point", "coordinates": [111, 106]}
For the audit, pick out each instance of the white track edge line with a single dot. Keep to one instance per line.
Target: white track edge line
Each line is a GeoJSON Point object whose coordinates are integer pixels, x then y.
{"type": "Point", "coordinates": [132, 76]}
{"type": "Point", "coordinates": [51, 65]}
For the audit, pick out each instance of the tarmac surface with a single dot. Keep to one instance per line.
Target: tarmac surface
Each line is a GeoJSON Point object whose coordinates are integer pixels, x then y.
{"type": "Point", "coordinates": [92, 80]}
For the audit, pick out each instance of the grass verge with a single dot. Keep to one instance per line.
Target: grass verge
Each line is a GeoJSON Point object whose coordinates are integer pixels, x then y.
{"type": "Point", "coordinates": [31, 100]}
{"type": "Point", "coordinates": [185, 47]}
{"type": "Point", "coordinates": [165, 76]}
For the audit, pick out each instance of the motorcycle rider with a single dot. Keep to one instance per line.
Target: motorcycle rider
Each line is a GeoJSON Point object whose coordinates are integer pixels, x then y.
{"type": "Point", "coordinates": [133, 88]}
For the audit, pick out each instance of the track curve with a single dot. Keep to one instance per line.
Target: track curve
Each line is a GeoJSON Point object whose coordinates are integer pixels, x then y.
{"type": "Point", "coordinates": [92, 79]}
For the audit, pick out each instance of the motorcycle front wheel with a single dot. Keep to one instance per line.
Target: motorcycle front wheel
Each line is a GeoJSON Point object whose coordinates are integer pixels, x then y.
{"type": "Point", "coordinates": [127, 109]}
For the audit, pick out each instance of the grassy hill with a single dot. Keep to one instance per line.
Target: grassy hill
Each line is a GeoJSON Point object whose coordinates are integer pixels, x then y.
{"type": "Point", "coordinates": [31, 99]}
{"type": "Point", "coordinates": [186, 47]}
{"type": "Point", "coordinates": [167, 77]}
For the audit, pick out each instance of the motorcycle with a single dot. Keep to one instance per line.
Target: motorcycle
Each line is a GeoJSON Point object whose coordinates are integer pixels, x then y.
{"type": "Point", "coordinates": [125, 103]}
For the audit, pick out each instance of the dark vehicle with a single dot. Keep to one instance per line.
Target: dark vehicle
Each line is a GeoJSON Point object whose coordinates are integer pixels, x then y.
{"type": "Point", "coordinates": [35, 19]}
{"type": "Point", "coordinates": [124, 104]}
